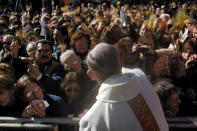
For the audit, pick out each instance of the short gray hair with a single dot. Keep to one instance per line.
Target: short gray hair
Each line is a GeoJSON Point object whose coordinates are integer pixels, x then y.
{"type": "Point", "coordinates": [103, 61]}
{"type": "Point", "coordinates": [67, 54]}
{"type": "Point", "coordinates": [31, 45]}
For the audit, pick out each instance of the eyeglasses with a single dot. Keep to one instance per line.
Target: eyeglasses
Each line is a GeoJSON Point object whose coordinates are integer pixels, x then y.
{"type": "Point", "coordinates": [31, 92]}
{"type": "Point", "coordinates": [69, 90]}
{"type": "Point", "coordinates": [48, 51]}
{"type": "Point", "coordinates": [69, 65]}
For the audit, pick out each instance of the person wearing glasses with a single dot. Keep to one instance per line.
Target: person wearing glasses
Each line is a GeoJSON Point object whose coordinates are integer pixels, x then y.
{"type": "Point", "coordinates": [40, 103]}
{"type": "Point", "coordinates": [46, 70]}
{"type": "Point", "coordinates": [70, 86]}
{"type": "Point", "coordinates": [73, 63]}
{"type": "Point", "coordinates": [30, 49]}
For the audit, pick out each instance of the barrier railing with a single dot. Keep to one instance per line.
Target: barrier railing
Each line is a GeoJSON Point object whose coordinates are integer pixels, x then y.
{"type": "Point", "coordinates": [36, 124]}
{"type": "Point", "coordinates": [50, 124]}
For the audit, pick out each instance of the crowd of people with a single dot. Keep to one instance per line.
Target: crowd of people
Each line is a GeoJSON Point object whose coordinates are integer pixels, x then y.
{"type": "Point", "coordinates": [43, 67]}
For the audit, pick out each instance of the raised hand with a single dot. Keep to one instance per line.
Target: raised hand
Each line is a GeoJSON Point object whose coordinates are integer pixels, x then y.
{"type": "Point", "coordinates": [14, 48]}
{"type": "Point", "coordinates": [35, 108]}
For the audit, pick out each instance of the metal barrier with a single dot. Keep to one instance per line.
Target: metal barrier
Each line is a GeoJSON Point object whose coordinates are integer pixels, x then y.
{"type": "Point", "coordinates": [36, 124]}
{"type": "Point", "coordinates": [182, 123]}
{"type": "Point", "coordinates": [50, 124]}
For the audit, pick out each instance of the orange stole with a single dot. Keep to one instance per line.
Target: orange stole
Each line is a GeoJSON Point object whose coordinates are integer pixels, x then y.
{"type": "Point", "coordinates": [143, 113]}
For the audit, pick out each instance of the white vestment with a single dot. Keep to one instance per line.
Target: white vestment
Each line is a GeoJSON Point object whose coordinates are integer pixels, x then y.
{"type": "Point", "coordinates": [112, 111]}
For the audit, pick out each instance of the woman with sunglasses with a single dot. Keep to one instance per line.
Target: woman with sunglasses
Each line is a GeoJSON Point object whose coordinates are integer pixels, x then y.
{"type": "Point", "coordinates": [70, 86]}
{"type": "Point", "coordinates": [41, 104]}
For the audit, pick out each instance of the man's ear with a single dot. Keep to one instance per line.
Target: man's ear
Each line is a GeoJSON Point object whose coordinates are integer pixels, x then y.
{"type": "Point", "coordinates": [91, 75]}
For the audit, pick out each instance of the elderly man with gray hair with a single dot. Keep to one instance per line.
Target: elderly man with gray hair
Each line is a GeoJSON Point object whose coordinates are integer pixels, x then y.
{"type": "Point", "coordinates": [126, 99]}
{"type": "Point", "coordinates": [72, 62]}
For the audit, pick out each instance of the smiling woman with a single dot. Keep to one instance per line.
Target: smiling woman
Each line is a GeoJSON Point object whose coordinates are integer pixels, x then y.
{"type": "Point", "coordinates": [80, 43]}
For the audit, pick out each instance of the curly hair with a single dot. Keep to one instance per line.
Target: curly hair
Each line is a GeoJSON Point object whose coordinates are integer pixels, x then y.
{"type": "Point", "coordinates": [166, 65]}
{"type": "Point", "coordinates": [148, 39]}
{"type": "Point", "coordinates": [77, 36]}
{"type": "Point", "coordinates": [122, 47]}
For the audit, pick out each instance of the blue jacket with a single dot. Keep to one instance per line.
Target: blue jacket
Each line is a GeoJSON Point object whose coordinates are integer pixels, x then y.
{"type": "Point", "coordinates": [57, 106]}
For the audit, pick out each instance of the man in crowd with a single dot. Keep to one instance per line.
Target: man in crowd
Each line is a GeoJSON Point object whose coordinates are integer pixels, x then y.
{"type": "Point", "coordinates": [47, 71]}
{"type": "Point", "coordinates": [60, 36]}
{"type": "Point", "coordinates": [72, 62]}
{"type": "Point", "coordinates": [126, 100]}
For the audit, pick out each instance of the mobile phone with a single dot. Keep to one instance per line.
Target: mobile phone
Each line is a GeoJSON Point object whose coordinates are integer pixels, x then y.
{"type": "Point", "coordinates": [42, 103]}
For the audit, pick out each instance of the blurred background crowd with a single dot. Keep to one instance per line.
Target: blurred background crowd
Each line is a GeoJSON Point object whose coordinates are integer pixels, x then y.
{"type": "Point", "coordinates": [43, 46]}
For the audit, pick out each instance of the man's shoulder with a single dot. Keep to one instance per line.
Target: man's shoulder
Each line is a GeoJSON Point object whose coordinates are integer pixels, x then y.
{"type": "Point", "coordinates": [136, 71]}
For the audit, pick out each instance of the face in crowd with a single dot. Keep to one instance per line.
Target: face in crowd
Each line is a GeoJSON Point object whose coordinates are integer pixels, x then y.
{"type": "Point", "coordinates": [43, 53]}
{"type": "Point", "coordinates": [72, 90]}
{"type": "Point", "coordinates": [173, 102]}
{"type": "Point", "coordinates": [81, 45]}
{"type": "Point", "coordinates": [30, 49]}
{"type": "Point", "coordinates": [32, 38]}
{"type": "Point", "coordinates": [72, 63]}
{"type": "Point", "coordinates": [70, 86]}
{"type": "Point", "coordinates": [195, 34]}
{"type": "Point", "coordinates": [32, 92]}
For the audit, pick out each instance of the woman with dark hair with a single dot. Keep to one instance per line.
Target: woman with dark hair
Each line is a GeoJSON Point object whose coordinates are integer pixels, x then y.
{"type": "Point", "coordinates": [80, 43]}
{"type": "Point", "coordinates": [172, 66]}
{"type": "Point", "coordinates": [70, 87]}
{"type": "Point", "coordinates": [188, 53]}
{"type": "Point", "coordinates": [169, 97]}
{"type": "Point", "coordinates": [41, 104]}
{"type": "Point", "coordinates": [169, 66]}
